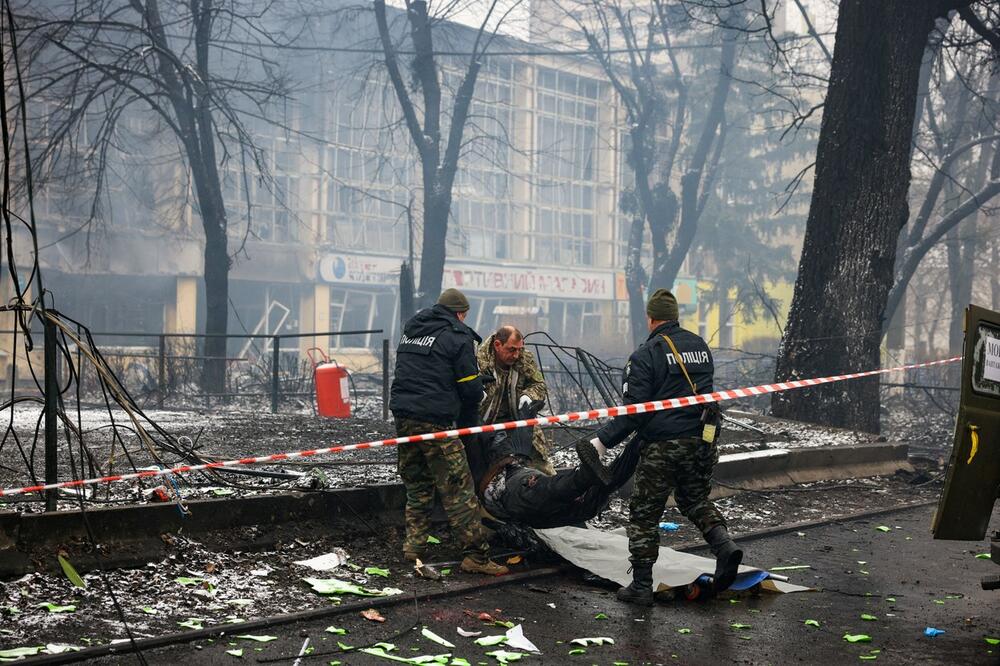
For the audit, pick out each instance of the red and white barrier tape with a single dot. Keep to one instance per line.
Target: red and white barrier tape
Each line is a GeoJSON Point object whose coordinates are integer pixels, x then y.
{"type": "Point", "coordinates": [604, 412]}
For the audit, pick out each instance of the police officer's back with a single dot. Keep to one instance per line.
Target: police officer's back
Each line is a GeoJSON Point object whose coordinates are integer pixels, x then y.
{"type": "Point", "coordinates": [436, 384]}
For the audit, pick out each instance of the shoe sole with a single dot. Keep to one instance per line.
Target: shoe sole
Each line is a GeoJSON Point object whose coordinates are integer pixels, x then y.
{"type": "Point", "coordinates": [587, 454]}
{"type": "Point", "coordinates": [635, 601]}
{"type": "Point", "coordinates": [729, 572]}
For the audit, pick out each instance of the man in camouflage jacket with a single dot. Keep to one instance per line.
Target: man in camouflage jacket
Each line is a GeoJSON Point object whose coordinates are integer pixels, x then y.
{"type": "Point", "coordinates": [518, 383]}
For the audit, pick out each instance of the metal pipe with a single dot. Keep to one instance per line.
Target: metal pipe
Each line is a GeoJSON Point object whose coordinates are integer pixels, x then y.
{"type": "Point", "coordinates": [275, 360]}
{"type": "Point", "coordinates": [51, 412]}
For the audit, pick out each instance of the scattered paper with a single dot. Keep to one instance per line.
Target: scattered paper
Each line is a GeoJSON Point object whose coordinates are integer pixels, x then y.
{"type": "Point", "coordinates": [551, 605]}
{"type": "Point", "coordinates": [517, 640]}
{"type": "Point", "coordinates": [794, 567]}
{"type": "Point", "coordinates": [337, 586]}
{"type": "Point", "coordinates": [325, 562]}
{"type": "Point", "coordinates": [59, 648]}
{"type": "Point", "coordinates": [263, 638]}
{"type": "Point", "coordinates": [373, 615]}
{"type": "Point", "coordinates": [593, 640]}
{"type": "Point", "coordinates": [467, 634]}
{"type": "Point", "coordinates": [14, 653]}
{"type": "Point", "coordinates": [428, 634]}
{"type": "Point", "coordinates": [235, 653]}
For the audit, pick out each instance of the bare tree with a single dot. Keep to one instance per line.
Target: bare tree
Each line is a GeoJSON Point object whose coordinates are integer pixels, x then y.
{"type": "Point", "coordinates": [858, 207]}
{"type": "Point", "coordinates": [96, 63]}
{"type": "Point", "coordinates": [655, 95]}
{"type": "Point", "coordinates": [436, 135]}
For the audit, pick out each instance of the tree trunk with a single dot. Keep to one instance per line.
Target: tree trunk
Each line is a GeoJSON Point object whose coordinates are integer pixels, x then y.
{"type": "Point", "coordinates": [216, 305]}
{"type": "Point", "coordinates": [432, 254]}
{"type": "Point", "coordinates": [633, 282]}
{"type": "Point", "coordinates": [858, 207]}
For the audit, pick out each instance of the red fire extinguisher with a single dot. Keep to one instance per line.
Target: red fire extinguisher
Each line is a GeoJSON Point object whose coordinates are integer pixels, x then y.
{"type": "Point", "coordinates": [333, 397]}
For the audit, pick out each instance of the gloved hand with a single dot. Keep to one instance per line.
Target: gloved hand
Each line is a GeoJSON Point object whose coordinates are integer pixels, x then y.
{"type": "Point", "coordinates": [599, 446]}
{"type": "Point", "coordinates": [523, 402]}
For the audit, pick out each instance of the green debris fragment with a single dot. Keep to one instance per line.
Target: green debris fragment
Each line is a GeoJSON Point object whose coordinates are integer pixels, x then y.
{"type": "Point", "coordinates": [992, 641]}
{"type": "Point", "coordinates": [192, 623]}
{"type": "Point", "coordinates": [503, 623]}
{"type": "Point", "coordinates": [684, 630]}
{"type": "Point", "coordinates": [489, 641]}
{"type": "Point", "coordinates": [984, 556]}
{"type": "Point", "coordinates": [344, 646]}
{"type": "Point", "coordinates": [744, 638]}
{"type": "Point", "coordinates": [811, 623]}
{"type": "Point", "coordinates": [891, 599]}
{"type": "Point", "coordinates": [430, 635]}
{"type": "Point", "coordinates": [795, 567]}
{"type": "Point", "coordinates": [868, 657]}
{"type": "Point", "coordinates": [263, 638]}
{"type": "Point", "coordinates": [189, 580]}
{"type": "Point", "coordinates": [334, 663]}
{"type": "Point", "coordinates": [388, 647]}
{"type": "Point", "coordinates": [600, 616]}
{"type": "Point", "coordinates": [375, 571]}
{"type": "Point", "coordinates": [939, 602]}
{"type": "Point", "coordinates": [59, 648]}
{"type": "Point", "coordinates": [576, 651]}
{"type": "Point", "coordinates": [868, 618]}
{"type": "Point", "coordinates": [16, 653]}
{"type": "Point", "coordinates": [739, 627]}
{"type": "Point", "coordinates": [445, 572]}
{"type": "Point", "coordinates": [857, 638]}
{"type": "Point", "coordinates": [56, 608]}
{"type": "Point", "coordinates": [459, 661]}
{"type": "Point", "coordinates": [953, 596]}
{"type": "Point", "coordinates": [432, 539]}
{"type": "Point", "coordinates": [337, 586]}
{"type": "Point", "coordinates": [505, 656]}
{"type": "Point", "coordinates": [620, 663]}
{"type": "Point", "coordinates": [71, 573]}
{"type": "Point", "coordinates": [883, 528]}
{"type": "Point", "coordinates": [734, 601]}
{"type": "Point", "coordinates": [235, 653]}
{"type": "Point", "coordinates": [335, 630]}
{"type": "Point", "coordinates": [149, 610]}
{"type": "Point", "coordinates": [222, 492]}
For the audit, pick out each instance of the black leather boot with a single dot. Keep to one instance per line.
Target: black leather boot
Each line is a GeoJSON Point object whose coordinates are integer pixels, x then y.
{"type": "Point", "coordinates": [591, 461]}
{"type": "Point", "coordinates": [728, 557]}
{"type": "Point", "coordinates": [640, 590]}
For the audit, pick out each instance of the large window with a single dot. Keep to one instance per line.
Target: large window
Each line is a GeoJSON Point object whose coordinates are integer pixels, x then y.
{"type": "Point", "coordinates": [563, 229]}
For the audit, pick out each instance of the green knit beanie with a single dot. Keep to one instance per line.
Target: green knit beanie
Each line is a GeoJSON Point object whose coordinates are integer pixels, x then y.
{"type": "Point", "coordinates": [455, 300]}
{"type": "Point", "coordinates": [662, 306]}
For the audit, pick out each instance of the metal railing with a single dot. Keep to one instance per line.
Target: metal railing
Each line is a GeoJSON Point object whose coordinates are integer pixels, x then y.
{"type": "Point", "coordinates": [172, 367]}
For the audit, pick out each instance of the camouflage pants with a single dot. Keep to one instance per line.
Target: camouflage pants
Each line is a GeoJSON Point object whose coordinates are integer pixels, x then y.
{"type": "Point", "coordinates": [540, 448]}
{"type": "Point", "coordinates": [683, 467]}
{"type": "Point", "coordinates": [441, 466]}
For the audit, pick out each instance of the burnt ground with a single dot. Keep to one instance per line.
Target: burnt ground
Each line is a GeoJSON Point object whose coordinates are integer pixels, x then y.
{"type": "Point", "coordinates": [228, 585]}
{"type": "Point", "coordinates": [890, 586]}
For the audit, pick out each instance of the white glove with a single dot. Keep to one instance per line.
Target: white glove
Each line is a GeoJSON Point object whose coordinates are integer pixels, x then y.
{"type": "Point", "coordinates": [601, 449]}
{"type": "Point", "coordinates": [523, 402]}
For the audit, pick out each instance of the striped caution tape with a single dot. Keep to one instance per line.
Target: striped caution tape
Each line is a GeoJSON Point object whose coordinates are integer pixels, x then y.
{"type": "Point", "coordinates": [604, 412]}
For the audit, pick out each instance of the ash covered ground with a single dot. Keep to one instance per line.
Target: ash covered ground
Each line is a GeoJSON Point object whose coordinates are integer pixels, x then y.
{"type": "Point", "coordinates": [203, 584]}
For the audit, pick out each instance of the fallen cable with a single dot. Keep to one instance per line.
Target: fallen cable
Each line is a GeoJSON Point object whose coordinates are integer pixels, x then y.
{"type": "Point", "coordinates": [588, 415]}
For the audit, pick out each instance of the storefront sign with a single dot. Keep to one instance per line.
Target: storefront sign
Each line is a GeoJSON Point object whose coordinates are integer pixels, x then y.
{"type": "Point", "coordinates": [475, 278]}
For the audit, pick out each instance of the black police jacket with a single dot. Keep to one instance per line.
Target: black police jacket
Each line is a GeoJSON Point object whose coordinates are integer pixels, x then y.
{"type": "Point", "coordinates": [652, 373]}
{"type": "Point", "coordinates": [437, 375]}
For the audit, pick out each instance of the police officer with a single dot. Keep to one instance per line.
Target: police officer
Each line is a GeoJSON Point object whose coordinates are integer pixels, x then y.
{"type": "Point", "coordinates": [436, 385]}
{"type": "Point", "coordinates": [680, 454]}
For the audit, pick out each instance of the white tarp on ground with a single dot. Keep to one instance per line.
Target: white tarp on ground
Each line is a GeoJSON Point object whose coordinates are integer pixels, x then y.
{"type": "Point", "coordinates": [605, 554]}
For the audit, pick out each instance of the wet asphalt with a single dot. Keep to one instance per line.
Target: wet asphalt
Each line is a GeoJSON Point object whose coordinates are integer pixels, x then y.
{"type": "Point", "coordinates": [901, 577]}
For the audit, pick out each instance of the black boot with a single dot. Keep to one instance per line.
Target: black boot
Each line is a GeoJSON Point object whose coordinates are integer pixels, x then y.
{"type": "Point", "coordinates": [640, 591]}
{"type": "Point", "coordinates": [728, 557]}
{"type": "Point", "coordinates": [587, 454]}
